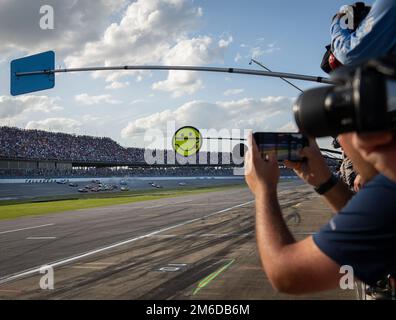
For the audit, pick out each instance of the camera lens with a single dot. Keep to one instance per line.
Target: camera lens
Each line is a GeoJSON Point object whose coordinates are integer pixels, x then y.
{"type": "Point", "coordinates": [311, 114]}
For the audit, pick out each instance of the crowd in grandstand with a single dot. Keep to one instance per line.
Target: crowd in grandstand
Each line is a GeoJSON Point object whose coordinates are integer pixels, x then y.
{"type": "Point", "coordinates": [37, 145]}
{"type": "Point", "coordinates": [42, 145]}
{"type": "Point", "coordinates": [17, 143]}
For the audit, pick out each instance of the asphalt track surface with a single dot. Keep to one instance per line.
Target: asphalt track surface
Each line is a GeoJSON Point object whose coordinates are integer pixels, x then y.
{"type": "Point", "coordinates": [180, 248]}
{"type": "Point", "coordinates": [70, 233]}
{"type": "Point", "coordinates": [28, 191]}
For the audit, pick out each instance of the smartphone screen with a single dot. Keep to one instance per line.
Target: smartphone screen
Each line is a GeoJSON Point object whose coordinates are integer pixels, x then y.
{"type": "Point", "coordinates": [285, 145]}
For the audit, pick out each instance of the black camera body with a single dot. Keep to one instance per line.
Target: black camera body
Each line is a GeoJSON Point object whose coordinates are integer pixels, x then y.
{"type": "Point", "coordinates": [364, 101]}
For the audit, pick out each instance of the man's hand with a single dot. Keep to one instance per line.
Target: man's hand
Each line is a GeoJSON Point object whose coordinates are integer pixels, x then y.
{"type": "Point", "coordinates": [291, 267]}
{"type": "Point", "coordinates": [262, 175]}
{"type": "Point", "coordinates": [314, 171]}
{"type": "Point", "coordinates": [379, 149]}
{"type": "Point", "coordinates": [359, 183]}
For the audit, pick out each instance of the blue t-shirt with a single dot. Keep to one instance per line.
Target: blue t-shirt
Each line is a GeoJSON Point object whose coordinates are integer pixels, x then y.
{"type": "Point", "coordinates": [363, 234]}
{"type": "Point", "coordinates": [375, 37]}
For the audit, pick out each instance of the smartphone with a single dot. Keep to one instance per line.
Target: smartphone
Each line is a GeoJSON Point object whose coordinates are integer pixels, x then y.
{"type": "Point", "coordinates": [286, 145]}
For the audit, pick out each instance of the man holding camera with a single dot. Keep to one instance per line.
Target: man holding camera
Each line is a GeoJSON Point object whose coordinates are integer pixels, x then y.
{"type": "Point", "coordinates": [304, 267]}
{"type": "Point", "coordinates": [363, 234]}
{"type": "Point", "coordinates": [355, 38]}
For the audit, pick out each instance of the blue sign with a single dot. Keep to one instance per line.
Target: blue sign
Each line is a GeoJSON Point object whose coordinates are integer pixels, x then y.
{"type": "Point", "coordinates": [31, 83]}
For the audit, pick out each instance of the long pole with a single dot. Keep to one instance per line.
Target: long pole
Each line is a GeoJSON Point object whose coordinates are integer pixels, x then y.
{"type": "Point", "coordinates": [186, 68]}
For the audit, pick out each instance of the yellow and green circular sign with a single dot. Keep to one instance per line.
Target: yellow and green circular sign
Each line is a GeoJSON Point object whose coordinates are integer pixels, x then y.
{"type": "Point", "coordinates": [187, 141]}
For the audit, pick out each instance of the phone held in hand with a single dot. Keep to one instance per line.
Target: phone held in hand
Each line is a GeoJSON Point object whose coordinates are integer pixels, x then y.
{"type": "Point", "coordinates": [285, 145]}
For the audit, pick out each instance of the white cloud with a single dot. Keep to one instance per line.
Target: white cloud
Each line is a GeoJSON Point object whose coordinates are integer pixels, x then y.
{"type": "Point", "coordinates": [258, 114]}
{"type": "Point", "coordinates": [238, 57]}
{"type": "Point", "coordinates": [116, 85]}
{"type": "Point", "coordinates": [11, 107]}
{"type": "Point", "coordinates": [179, 83]}
{"type": "Point", "coordinates": [256, 52]}
{"type": "Point", "coordinates": [55, 124]}
{"type": "Point", "coordinates": [87, 118]}
{"type": "Point", "coordinates": [137, 101]}
{"type": "Point", "coordinates": [88, 100]}
{"type": "Point", "coordinates": [225, 43]}
{"type": "Point", "coordinates": [233, 92]}
{"type": "Point", "coordinates": [271, 48]}
{"type": "Point", "coordinates": [76, 22]}
{"type": "Point", "coordinates": [145, 33]}
{"type": "Point", "coordinates": [195, 51]}
{"type": "Point", "coordinates": [154, 32]}
{"type": "Point", "coordinates": [289, 127]}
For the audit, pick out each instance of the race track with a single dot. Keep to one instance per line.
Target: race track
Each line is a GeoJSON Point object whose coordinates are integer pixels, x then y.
{"type": "Point", "coordinates": [180, 248]}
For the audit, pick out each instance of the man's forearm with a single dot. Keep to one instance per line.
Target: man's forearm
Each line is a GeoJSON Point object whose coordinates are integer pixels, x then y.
{"type": "Point", "coordinates": [271, 231]}
{"type": "Point", "coordinates": [338, 196]}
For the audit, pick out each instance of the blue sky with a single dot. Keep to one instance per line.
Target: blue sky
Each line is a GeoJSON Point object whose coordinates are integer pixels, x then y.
{"type": "Point", "coordinates": [285, 35]}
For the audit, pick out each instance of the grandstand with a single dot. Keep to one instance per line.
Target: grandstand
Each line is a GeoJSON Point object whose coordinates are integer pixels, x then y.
{"type": "Point", "coordinates": [37, 153]}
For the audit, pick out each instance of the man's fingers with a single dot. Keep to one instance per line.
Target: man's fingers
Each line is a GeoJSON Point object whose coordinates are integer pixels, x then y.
{"type": "Point", "coordinates": [291, 165]}
{"type": "Point", "coordinates": [248, 156]}
{"type": "Point", "coordinates": [253, 144]}
{"type": "Point", "coordinates": [248, 153]}
{"type": "Point", "coordinates": [272, 157]}
{"type": "Point", "coordinates": [306, 152]}
{"type": "Point", "coordinates": [253, 147]}
{"type": "Point", "coordinates": [248, 162]}
{"type": "Point", "coordinates": [313, 143]}
{"type": "Point", "coordinates": [296, 166]}
{"type": "Point", "coordinates": [249, 140]}
{"type": "Point", "coordinates": [311, 150]}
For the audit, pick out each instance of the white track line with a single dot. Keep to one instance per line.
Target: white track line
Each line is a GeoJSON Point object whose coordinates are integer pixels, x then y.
{"type": "Point", "coordinates": [23, 229]}
{"type": "Point", "coordinates": [41, 238]}
{"type": "Point", "coordinates": [96, 251]}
